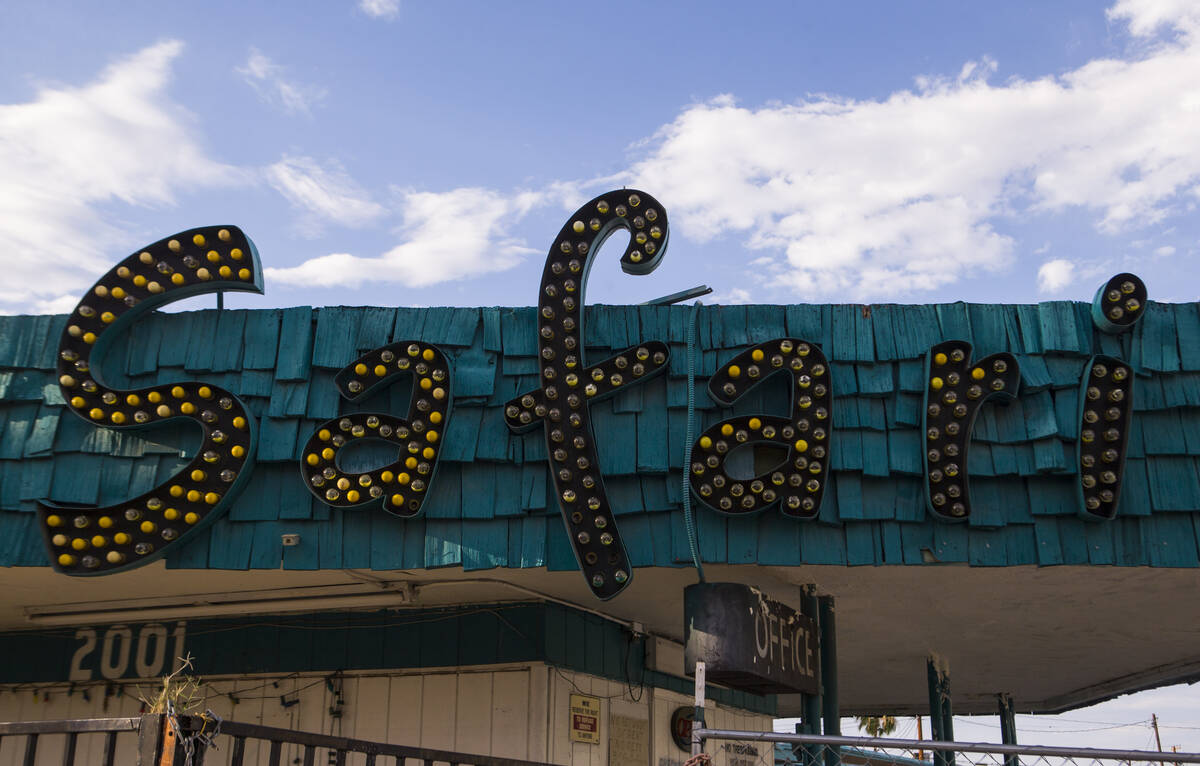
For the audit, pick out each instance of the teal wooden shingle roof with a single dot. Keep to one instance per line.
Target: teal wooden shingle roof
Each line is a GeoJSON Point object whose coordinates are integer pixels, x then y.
{"type": "Point", "coordinates": [489, 507]}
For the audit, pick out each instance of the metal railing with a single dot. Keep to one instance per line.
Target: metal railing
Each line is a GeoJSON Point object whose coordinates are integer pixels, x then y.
{"type": "Point", "coordinates": [819, 750]}
{"type": "Point", "coordinates": [35, 731]}
{"type": "Point", "coordinates": [339, 748]}
{"type": "Point", "coordinates": [162, 740]}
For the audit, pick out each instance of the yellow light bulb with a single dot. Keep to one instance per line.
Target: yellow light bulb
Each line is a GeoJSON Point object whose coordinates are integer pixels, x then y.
{"type": "Point", "coordinates": [735, 371]}
{"type": "Point", "coordinates": [236, 254]}
{"type": "Point", "coordinates": [107, 317]}
{"type": "Point", "coordinates": [936, 384]}
{"type": "Point", "coordinates": [396, 500]}
{"type": "Point", "coordinates": [239, 423]}
{"type": "Point", "coordinates": [54, 521]}
{"type": "Point", "coordinates": [225, 272]}
{"type": "Point", "coordinates": [96, 413]}
{"type": "Point", "coordinates": [191, 518]}
{"type": "Point", "coordinates": [66, 560]}
{"type": "Point", "coordinates": [328, 453]}
{"type": "Point", "coordinates": [89, 337]}
{"type": "Point", "coordinates": [198, 240]}
{"type": "Point", "coordinates": [104, 522]}
{"type": "Point", "coordinates": [120, 538]}
{"type": "Point", "coordinates": [118, 417]}
{"type": "Point", "coordinates": [154, 397]}
{"type": "Point", "coordinates": [187, 408]}
{"type": "Point", "coordinates": [402, 478]}
{"type": "Point", "coordinates": [426, 383]}
{"type": "Point", "coordinates": [431, 436]}
{"type": "Point", "coordinates": [428, 453]}
{"type": "Point", "coordinates": [726, 430]}
{"type": "Point", "coordinates": [99, 541]}
{"type": "Point", "coordinates": [79, 543]}
{"type": "Point", "coordinates": [193, 496]}
{"type": "Point", "coordinates": [133, 400]}
{"type": "Point", "coordinates": [706, 442]}
{"type": "Point", "coordinates": [163, 411]}
{"type": "Point", "coordinates": [427, 355]}
{"type": "Point", "coordinates": [213, 256]}
{"type": "Point", "coordinates": [801, 445]}
{"type": "Point", "coordinates": [176, 490]}
{"type": "Point", "coordinates": [238, 451]}
{"type": "Point", "coordinates": [212, 498]}
{"type": "Point", "coordinates": [352, 496]}
{"type": "Point", "coordinates": [198, 475]}
{"type": "Point", "coordinates": [757, 355]}
{"type": "Point", "coordinates": [323, 434]}
{"type": "Point", "coordinates": [386, 477]}
{"type": "Point", "coordinates": [77, 402]}
{"type": "Point", "coordinates": [939, 358]}
{"type": "Point", "coordinates": [755, 424]}
{"type": "Point", "coordinates": [244, 274]}
{"type": "Point", "coordinates": [170, 514]}
{"type": "Point", "coordinates": [312, 458]}
{"type": "Point", "coordinates": [139, 280]}
{"type": "Point", "coordinates": [118, 292]}
{"type": "Point", "coordinates": [147, 527]}
{"type": "Point", "coordinates": [177, 279]}
{"type": "Point", "coordinates": [380, 370]}
{"type": "Point", "coordinates": [435, 417]}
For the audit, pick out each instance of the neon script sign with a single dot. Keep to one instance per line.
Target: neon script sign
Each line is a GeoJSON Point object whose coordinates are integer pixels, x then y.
{"type": "Point", "coordinates": [102, 540]}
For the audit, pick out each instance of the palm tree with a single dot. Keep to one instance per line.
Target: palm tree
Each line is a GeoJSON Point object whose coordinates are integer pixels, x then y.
{"type": "Point", "coordinates": [876, 725]}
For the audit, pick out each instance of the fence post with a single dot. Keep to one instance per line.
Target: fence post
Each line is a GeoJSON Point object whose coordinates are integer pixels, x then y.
{"type": "Point", "coordinates": [150, 736]}
{"type": "Point", "coordinates": [698, 719]}
{"type": "Point", "coordinates": [941, 715]}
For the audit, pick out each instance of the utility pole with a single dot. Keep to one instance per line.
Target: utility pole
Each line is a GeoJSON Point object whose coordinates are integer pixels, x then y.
{"type": "Point", "coordinates": [1154, 723]}
{"type": "Point", "coordinates": [920, 735]}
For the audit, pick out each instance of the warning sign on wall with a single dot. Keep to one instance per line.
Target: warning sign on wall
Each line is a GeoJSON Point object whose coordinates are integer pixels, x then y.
{"type": "Point", "coordinates": [585, 719]}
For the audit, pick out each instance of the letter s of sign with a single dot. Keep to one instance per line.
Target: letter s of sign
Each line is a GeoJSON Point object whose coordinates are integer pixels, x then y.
{"type": "Point", "coordinates": [568, 386]}
{"type": "Point", "coordinates": [799, 481]}
{"type": "Point", "coordinates": [404, 484]}
{"type": "Point", "coordinates": [102, 540]}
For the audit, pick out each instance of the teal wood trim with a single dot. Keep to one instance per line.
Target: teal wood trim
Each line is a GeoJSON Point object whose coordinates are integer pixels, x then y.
{"type": "Point", "coordinates": [490, 500]}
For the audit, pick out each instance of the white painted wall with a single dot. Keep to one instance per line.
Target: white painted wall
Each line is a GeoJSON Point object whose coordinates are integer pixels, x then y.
{"type": "Point", "coordinates": [518, 711]}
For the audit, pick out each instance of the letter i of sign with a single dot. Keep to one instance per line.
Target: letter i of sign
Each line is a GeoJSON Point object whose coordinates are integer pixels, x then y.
{"type": "Point", "coordinates": [1106, 401]}
{"type": "Point", "coordinates": [103, 540]}
{"type": "Point", "coordinates": [569, 385]}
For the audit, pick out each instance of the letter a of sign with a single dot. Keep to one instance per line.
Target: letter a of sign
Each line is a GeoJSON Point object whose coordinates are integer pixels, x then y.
{"type": "Point", "coordinates": [954, 391]}
{"type": "Point", "coordinates": [569, 386]}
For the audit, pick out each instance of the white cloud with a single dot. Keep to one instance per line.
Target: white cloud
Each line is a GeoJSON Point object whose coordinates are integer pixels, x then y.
{"type": "Point", "coordinates": [72, 150]}
{"type": "Point", "coordinates": [327, 193]}
{"type": "Point", "coordinates": [908, 193]}
{"type": "Point", "coordinates": [380, 9]}
{"type": "Point", "coordinates": [450, 235]}
{"type": "Point", "coordinates": [1054, 275]}
{"type": "Point", "coordinates": [1145, 17]}
{"type": "Point", "coordinates": [268, 80]}
{"type": "Point", "coordinates": [1164, 251]}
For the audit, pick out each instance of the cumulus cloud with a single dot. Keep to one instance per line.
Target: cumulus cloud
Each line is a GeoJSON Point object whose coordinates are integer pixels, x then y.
{"type": "Point", "coordinates": [325, 193]}
{"type": "Point", "coordinates": [1054, 275]}
{"type": "Point", "coordinates": [70, 151]}
{"type": "Point", "coordinates": [909, 193]}
{"type": "Point", "coordinates": [269, 81]}
{"type": "Point", "coordinates": [380, 9]}
{"type": "Point", "coordinates": [447, 236]}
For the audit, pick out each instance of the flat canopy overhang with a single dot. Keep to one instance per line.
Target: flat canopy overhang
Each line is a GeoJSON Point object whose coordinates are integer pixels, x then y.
{"type": "Point", "coordinates": [1053, 637]}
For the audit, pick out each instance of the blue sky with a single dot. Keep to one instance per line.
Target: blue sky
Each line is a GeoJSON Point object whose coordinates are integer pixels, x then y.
{"type": "Point", "coordinates": [400, 153]}
{"type": "Point", "coordinates": [410, 153]}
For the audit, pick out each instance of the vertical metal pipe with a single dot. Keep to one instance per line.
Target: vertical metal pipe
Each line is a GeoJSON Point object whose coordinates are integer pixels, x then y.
{"type": "Point", "coordinates": [1008, 726]}
{"type": "Point", "coordinates": [31, 741]}
{"type": "Point", "coordinates": [935, 709]}
{"type": "Point", "coordinates": [698, 720]}
{"type": "Point", "coordinates": [812, 702]}
{"type": "Point", "coordinates": [830, 709]}
{"type": "Point", "coordinates": [69, 752]}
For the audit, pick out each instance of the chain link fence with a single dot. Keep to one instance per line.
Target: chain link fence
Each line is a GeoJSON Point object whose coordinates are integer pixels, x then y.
{"type": "Point", "coordinates": [748, 748]}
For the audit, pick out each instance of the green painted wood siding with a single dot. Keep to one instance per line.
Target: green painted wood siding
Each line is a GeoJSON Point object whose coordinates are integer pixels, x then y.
{"type": "Point", "coordinates": [489, 504]}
